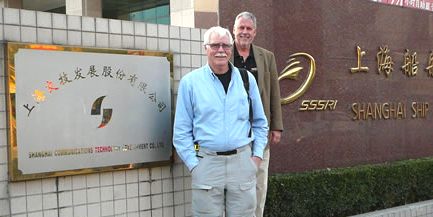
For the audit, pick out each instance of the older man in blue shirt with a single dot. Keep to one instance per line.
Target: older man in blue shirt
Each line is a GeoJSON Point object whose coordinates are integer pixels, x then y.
{"type": "Point", "coordinates": [212, 111]}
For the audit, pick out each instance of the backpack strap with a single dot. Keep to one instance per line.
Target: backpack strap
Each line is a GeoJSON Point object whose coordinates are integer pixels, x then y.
{"type": "Point", "coordinates": [244, 75]}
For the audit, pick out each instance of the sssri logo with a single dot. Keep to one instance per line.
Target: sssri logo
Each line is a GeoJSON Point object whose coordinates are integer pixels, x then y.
{"type": "Point", "coordinates": [106, 113]}
{"type": "Point", "coordinates": [292, 70]}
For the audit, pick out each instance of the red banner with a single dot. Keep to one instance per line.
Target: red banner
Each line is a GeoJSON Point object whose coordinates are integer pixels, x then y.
{"type": "Point", "coordinates": [420, 4]}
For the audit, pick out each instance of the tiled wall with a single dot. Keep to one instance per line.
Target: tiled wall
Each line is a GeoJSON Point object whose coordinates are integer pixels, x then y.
{"type": "Point", "coordinates": [148, 192]}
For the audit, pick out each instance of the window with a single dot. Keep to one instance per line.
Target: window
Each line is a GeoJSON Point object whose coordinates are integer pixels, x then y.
{"type": "Point", "coordinates": [151, 11]}
{"type": "Point", "coordinates": [53, 6]}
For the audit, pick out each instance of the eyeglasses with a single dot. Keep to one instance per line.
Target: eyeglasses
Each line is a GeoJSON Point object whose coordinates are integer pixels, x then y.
{"type": "Point", "coordinates": [217, 46]}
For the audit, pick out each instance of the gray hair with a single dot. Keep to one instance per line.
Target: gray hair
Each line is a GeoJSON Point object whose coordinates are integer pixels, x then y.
{"type": "Point", "coordinates": [247, 15]}
{"type": "Point", "coordinates": [218, 30]}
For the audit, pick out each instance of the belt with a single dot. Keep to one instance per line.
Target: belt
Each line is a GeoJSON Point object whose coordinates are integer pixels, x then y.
{"type": "Point", "coordinates": [231, 152]}
{"type": "Point", "coordinates": [206, 151]}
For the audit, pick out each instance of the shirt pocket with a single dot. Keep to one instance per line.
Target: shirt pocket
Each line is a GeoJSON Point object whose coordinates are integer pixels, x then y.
{"type": "Point", "coordinates": [243, 108]}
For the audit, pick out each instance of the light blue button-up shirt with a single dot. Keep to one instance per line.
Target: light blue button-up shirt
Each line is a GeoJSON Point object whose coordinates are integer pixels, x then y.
{"type": "Point", "coordinates": [217, 121]}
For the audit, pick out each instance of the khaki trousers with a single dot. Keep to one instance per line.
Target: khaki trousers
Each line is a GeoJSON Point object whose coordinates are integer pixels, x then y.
{"type": "Point", "coordinates": [224, 183]}
{"type": "Point", "coordinates": [262, 182]}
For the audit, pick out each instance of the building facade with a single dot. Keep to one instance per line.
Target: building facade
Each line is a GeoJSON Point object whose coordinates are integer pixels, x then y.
{"type": "Point", "coordinates": [186, 13]}
{"type": "Point", "coordinates": [153, 191]}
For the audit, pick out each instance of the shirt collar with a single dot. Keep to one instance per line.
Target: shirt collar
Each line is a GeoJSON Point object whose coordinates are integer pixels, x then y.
{"type": "Point", "coordinates": [236, 53]}
{"type": "Point", "coordinates": [211, 73]}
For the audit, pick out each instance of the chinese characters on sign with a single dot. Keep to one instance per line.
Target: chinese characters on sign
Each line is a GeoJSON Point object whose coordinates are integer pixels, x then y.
{"type": "Point", "coordinates": [385, 64]}
{"type": "Point", "coordinates": [360, 53]}
{"type": "Point", "coordinates": [429, 67]}
{"type": "Point", "coordinates": [40, 96]}
{"type": "Point", "coordinates": [420, 4]}
{"type": "Point", "coordinates": [384, 61]}
{"type": "Point", "coordinates": [410, 67]}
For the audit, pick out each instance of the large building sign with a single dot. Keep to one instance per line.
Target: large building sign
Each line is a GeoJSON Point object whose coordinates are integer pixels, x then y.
{"type": "Point", "coordinates": [356, 79]}
{"type": "Point", "coordinates": [77, 110]}
{"type": "Point", "coordinates": [366, 110]}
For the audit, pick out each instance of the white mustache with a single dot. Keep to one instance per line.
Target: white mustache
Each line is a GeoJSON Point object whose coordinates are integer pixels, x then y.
{"type": "Point", "coordinates": [220, 55]}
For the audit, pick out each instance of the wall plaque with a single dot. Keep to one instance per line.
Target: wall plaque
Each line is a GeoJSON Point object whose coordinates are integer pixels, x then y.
{"type": "Point", "coordinates": [78, 110]}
